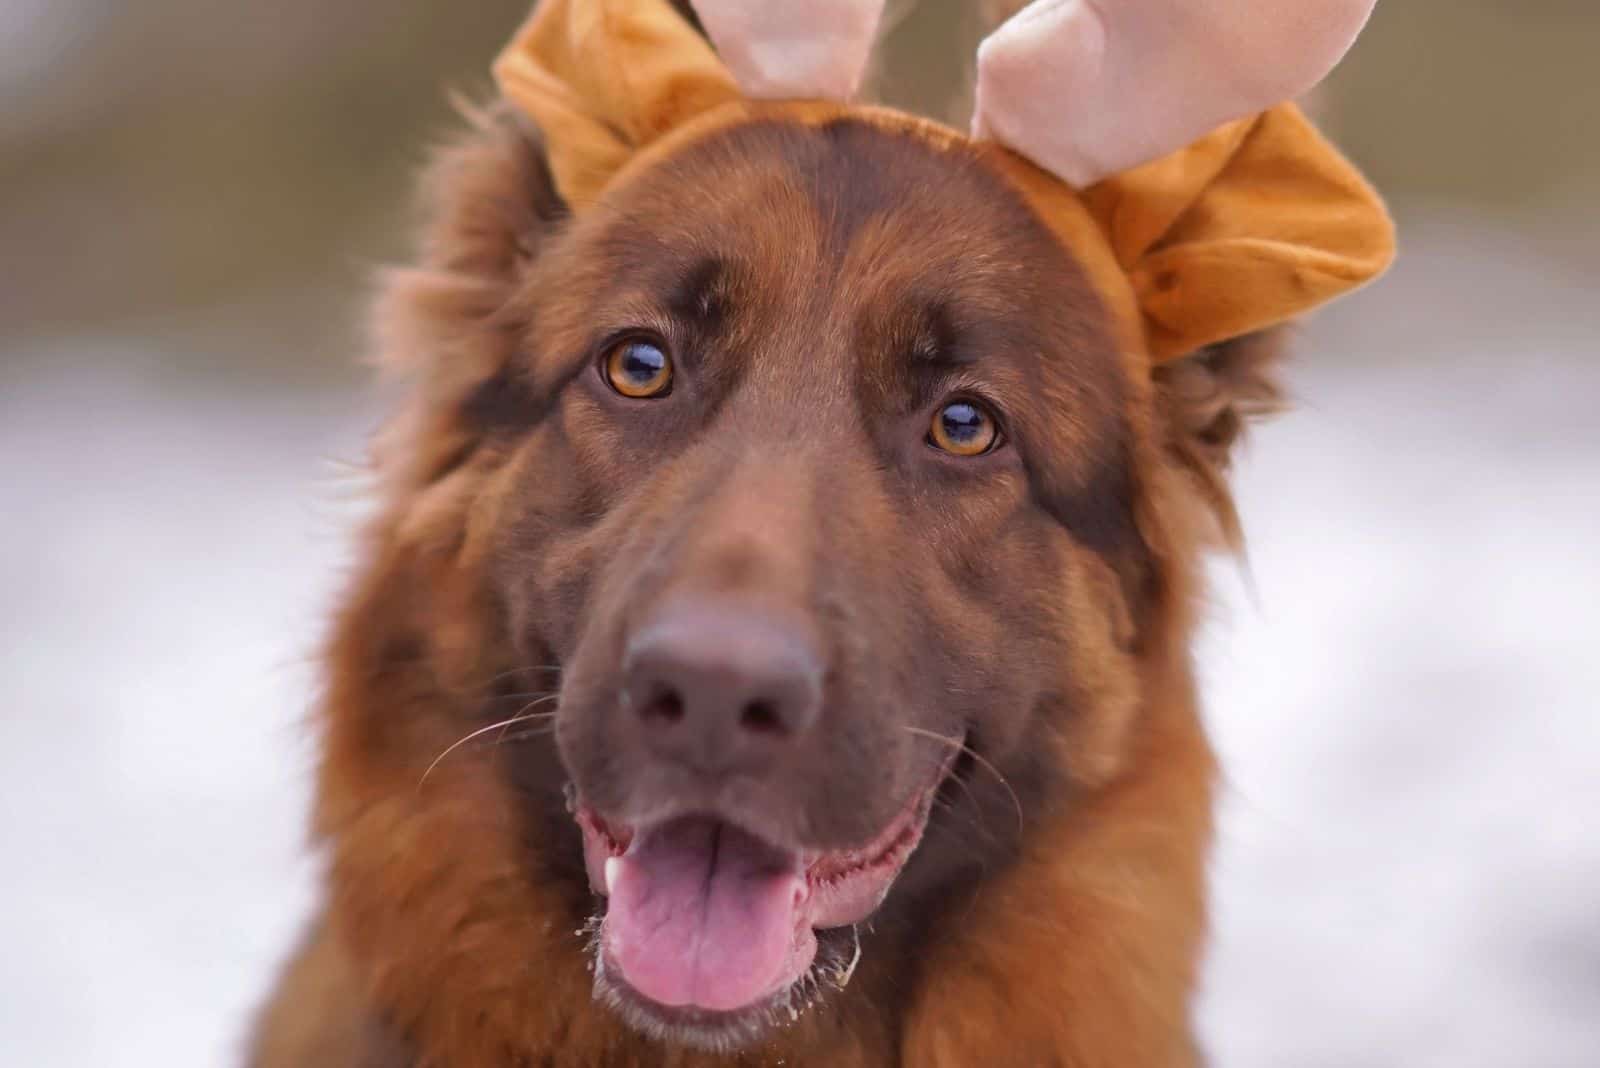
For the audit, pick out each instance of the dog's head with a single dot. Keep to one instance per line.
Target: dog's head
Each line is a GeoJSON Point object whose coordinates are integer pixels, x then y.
{"type": "Point", "coordinates": [803, 516]}
{"type": "Point", "coordinates": [833, 423]}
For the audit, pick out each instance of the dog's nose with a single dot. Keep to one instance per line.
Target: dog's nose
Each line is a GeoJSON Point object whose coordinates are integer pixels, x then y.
{"type": "Point", "coordinates": [721, 688]}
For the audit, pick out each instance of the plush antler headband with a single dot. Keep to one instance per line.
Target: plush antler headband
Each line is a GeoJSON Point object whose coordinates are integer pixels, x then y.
{"type": "Point", "coordinates": [1255, 222]}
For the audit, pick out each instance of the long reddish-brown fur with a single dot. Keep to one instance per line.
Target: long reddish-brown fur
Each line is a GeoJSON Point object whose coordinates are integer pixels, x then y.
{"type": "Point", "coordinates": [435, 946]}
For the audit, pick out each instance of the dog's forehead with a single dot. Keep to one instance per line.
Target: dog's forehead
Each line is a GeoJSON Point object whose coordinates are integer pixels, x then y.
{"type": "Point", "coordinates": [777, 194]}
{"type": "Point", "coordinates": [845, 224]}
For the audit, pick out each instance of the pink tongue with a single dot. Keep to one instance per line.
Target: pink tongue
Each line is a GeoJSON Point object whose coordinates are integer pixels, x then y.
{"type": "Point", "coordinates": [704, 915]}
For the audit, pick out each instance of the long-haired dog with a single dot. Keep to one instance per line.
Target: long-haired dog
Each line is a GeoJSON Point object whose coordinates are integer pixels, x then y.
{"type": "Point", "coordinates": [773, 643]}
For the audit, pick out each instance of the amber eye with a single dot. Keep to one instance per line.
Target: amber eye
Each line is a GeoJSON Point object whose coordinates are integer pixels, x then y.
{"type": "Point", "coordinates": [638, 368]}
{"type": "Point", "coordinates": [962, 428]}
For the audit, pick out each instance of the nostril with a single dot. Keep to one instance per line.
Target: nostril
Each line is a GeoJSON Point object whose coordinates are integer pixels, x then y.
{"type": "Point", "coordinates": [665, 708]}
{"type": "Point", "coordinates": [719, 688]}
{"type": "Point", "coordinates": [761, 717]}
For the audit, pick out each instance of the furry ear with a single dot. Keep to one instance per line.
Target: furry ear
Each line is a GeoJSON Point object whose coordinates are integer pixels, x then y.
{"type": "Point", "coordinates": [489, 197]}
{"type": "Point", "coordinates": [1205, 402]}
{"type": "Point", "coordinates": [1249, 227]}
{"type": "Point", "coordinates": [490, 204]}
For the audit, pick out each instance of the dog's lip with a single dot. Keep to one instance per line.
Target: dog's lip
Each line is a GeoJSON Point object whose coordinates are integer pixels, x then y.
{"type": "Point", "coordinates": [832, 888]}
{"type": "Point", "coordinates": [844, 886]}
{"type": "Point", "coordinates": [706, 1028]}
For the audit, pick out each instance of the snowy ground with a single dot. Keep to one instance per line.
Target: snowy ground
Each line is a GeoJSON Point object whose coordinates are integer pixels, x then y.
{"type": "Point", "coordinates": [1409, 870]}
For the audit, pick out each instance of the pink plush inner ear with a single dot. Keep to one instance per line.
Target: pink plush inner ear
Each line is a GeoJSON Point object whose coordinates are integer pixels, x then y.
{"type": "Point", "coordinates": [1091, 88]}
{"type": "Point", "coordinates": [793, 49]}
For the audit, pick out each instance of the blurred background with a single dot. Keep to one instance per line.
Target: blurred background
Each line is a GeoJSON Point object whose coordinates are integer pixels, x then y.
{"type": "Point", "coordinates": [1406, 692]}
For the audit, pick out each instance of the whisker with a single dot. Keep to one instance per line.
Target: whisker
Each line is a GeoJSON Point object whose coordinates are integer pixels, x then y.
{"type": "Point", "coordinates": [979, 821]}
{"type": "Point", "coordinates": [499, 725]}
{"type": "Point", "coordinates": [519, 670]}
{"type": "Point", "coordinates": [524, 695]}
{"type": "Point", "coordinates": [961, 747]}
{"type": "Point", "coordinates": [522, 736]}
{"type": "Point", "coordinates": [523, 715]}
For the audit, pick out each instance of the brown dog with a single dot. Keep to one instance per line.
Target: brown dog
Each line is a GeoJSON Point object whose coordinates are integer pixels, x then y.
{"type": "Point", "coordinates": [773, 647]}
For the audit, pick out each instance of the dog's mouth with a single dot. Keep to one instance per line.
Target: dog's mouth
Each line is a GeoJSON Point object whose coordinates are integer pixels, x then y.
{"type": "Point", "coordinates": [707, 923]}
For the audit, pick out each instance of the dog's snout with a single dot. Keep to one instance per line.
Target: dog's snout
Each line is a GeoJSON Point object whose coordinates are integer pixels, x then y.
{"type": "Point", "coordinates": [722, 688]}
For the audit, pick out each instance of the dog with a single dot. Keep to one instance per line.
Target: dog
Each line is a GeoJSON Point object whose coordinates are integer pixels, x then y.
{"type": "Point", "coordinates": [772, 646]}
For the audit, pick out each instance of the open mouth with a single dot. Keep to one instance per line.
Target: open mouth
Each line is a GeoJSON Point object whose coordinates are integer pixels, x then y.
{"type": "Point", "coordinates": [709, 926]}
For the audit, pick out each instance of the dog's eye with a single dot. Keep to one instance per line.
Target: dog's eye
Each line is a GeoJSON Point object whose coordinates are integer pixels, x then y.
{"type": "Point", "coordinates": [963, 428]}
{"type": "Point", "coordinates": [638, 368]}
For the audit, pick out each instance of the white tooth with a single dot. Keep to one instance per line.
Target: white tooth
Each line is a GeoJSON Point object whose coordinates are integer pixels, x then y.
{"type": "Point", "coordinates": [611, 872]}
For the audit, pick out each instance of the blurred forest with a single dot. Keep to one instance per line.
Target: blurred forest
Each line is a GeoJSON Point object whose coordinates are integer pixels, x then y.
{"type": "Point", "coordinates": [181, 167]}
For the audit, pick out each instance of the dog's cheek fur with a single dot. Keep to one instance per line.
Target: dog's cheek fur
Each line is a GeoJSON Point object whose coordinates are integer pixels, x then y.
{"type": "Point", "coordinates": [428, 888]}
{"type": "Point", "coordinates": [1083, 952]}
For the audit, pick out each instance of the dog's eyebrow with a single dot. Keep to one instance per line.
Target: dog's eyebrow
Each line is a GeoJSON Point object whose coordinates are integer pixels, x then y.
{"type": "Point", "coordinates": [937, 342]}
{"type": "Point", "coordinates": [700, 294]}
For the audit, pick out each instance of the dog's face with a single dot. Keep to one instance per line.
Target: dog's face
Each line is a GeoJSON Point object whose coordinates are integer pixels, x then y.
{"type": "Point", "coordinates": [828, 523]}
{"type": "Point", "coordinates": [817, 470]}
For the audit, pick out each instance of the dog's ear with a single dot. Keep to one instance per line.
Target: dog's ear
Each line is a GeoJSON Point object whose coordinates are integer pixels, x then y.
{"type": "Point", "coordinates": [448, 325]}
{"type": "Point", "coordinates": [1204, 404]}
{"type": "Point", "coordinates": [489, 198]}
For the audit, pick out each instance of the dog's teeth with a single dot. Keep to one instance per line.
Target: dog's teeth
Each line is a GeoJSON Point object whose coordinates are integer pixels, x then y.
{"type": "Point", "coordinates": [611, 873]}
